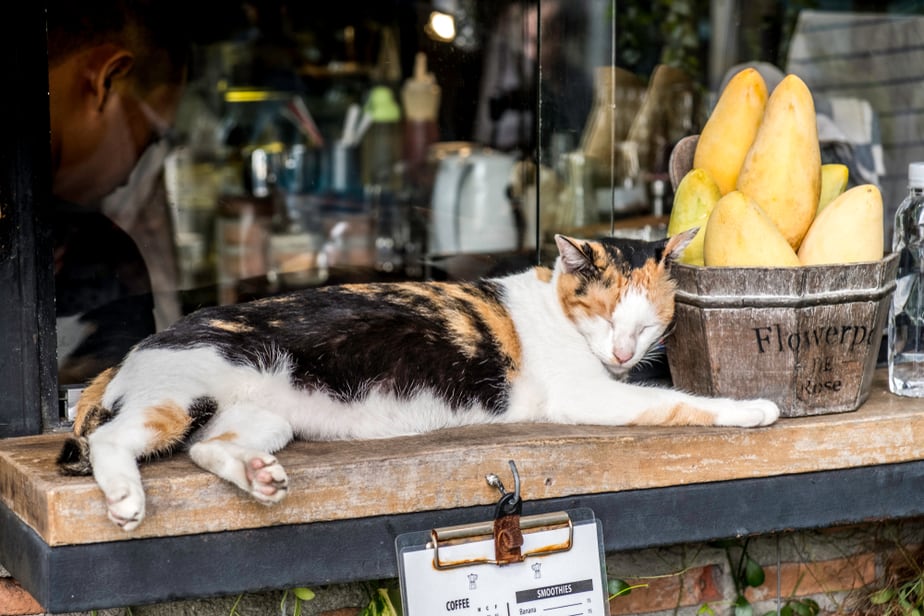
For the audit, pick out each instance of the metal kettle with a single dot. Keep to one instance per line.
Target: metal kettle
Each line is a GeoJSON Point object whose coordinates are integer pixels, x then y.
{"type": "Point", "coordinates": [471, 209]}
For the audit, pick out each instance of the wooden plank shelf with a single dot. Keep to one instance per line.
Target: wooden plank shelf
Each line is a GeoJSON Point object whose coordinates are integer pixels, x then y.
{"type": "Point", "coordinates": [348, 500]}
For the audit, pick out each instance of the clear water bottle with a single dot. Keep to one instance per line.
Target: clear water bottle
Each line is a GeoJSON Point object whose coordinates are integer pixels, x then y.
{"type": "Point", "coordinates": [906, 316]}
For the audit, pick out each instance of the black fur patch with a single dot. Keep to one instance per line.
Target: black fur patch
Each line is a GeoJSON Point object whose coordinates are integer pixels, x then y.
{"type": "Point", "coordinates": [348, 341]}
{"type": "Point", "coordinates": [201, 410]}
{"type": "Point", "coordinates": [632, 253]}
{"type": "Point", "coordinates": [74, 458]}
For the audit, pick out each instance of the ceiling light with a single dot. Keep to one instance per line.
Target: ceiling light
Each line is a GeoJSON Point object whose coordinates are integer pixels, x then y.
{"type": "Point", "coordinates": [441, 27]}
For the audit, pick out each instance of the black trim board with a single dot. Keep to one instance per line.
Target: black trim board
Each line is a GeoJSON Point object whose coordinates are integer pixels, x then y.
{"type": "Point", "coordinates": [28, 374]}
{"type": "Point", "coordinates": [122, 573]}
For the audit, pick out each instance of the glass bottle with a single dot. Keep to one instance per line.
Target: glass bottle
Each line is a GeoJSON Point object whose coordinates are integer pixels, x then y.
{"type": "Point", "coordinates": [906, 316]}
{"type": "Point", "coordinates": [420, 96]}
{"type": "Point", "coordinates": [381, 147]}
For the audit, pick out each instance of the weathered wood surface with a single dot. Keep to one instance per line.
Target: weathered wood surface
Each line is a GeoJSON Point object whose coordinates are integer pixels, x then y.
{"type": "Point", "coordinates": [444, 470]}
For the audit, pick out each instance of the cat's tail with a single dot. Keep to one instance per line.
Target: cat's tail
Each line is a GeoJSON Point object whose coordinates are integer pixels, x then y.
{"type": "Point", "coordinates": [74, 458]}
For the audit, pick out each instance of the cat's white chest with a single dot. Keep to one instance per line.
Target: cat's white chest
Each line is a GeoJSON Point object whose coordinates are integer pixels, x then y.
{"type": "Point", "coordinates": [555, 355]}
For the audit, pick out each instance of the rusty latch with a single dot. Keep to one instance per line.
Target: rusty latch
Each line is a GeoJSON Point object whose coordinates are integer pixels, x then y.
{"type": "Point", "coordinates": [508, 537]}
{"type": "Point", "coordinates": [506, 531]}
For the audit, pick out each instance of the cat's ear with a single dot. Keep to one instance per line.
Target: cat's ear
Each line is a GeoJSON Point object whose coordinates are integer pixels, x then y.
{"type": "Point", "coordinates": [676, 244]}
{"type": "Point", "coordinates": [573, 258]}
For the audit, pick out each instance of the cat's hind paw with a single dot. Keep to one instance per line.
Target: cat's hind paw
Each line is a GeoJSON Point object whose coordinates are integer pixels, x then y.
{"type": "Point", "coordinates": [268, 481]}
{"type": "Point", "coordinates": [256, 472]}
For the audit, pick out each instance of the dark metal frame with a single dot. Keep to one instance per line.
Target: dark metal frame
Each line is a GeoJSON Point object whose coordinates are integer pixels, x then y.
{"type": "Point", "coordinates": [28, 381]}
{"type": "Point", "coordinates": [122, 573]}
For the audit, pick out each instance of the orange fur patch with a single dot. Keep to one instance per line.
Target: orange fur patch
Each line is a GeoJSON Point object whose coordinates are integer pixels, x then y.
{"type": "Point", "coordinates": [654, 277]}
{"type": "Point", "coordinates": [169, 422]}
{"type": "Point", "coordinates": [403, 294]}
{"type": "Point", "coordinates": [543, 274]}
{"type": "Point", "coordinates": [600, 296]}
{"type": "Point", "coordinates": [90, 405]}
{"type": "Point", "coordinates": [224, 436]}
{"type": "Point", "coordinates": [277, 299]}
{"type": "Point", "coordinates": [230, 326]}
{"type": "Point", "coordinates": [497, 320]}
{"type": "Point", "coordinates": [677, 415]}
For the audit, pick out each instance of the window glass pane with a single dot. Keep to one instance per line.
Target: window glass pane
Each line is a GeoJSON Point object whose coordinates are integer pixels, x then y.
{"type": "Point", "coordinates": [110, 105]}
{"type": "Point", "coordinates": [392, 140]}
{"type": "Point", "coordinates": [372, 148]}
{"type": "Point", "coordinates": [362, 140]}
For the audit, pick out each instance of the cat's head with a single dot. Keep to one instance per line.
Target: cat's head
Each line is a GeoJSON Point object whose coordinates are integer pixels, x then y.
{"type": "Point", "coordinates": [619, 294]}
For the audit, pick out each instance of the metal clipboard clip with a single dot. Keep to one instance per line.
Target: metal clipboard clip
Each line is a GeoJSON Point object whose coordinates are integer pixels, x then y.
{"type": "Point", "coordinates": [506, 531]}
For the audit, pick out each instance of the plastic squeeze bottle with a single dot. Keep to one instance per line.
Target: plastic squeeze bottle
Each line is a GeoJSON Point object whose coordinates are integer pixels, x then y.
{"type": "Point", "coordinates": [381, 146]}
{"type": "Point", "coordinates": [420, 96]}
{"type": "Point", "coordinates": [906, 316]}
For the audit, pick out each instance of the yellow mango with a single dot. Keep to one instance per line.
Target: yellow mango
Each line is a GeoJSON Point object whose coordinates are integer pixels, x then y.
{"type": "Point", "coordinates": [848, 230]}
{"type": "Point", "coordinates": [731, 128]}
{"type": "Point", "coordinates": [740, 234]}
{"type": "Point", "coordinates": [834, 178]}
{"type": "Point", "coordinates": [697, 193]}
{"type": "Point", "coordinates": [782, 170]}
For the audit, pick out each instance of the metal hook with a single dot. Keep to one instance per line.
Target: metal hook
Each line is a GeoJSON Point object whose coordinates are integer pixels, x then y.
{"type": "Point", "coordinates": [495, 482]}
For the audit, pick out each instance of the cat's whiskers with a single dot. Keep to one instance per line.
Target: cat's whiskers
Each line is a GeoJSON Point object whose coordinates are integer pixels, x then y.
{"type": "Point", "coordinates": [668, 332]}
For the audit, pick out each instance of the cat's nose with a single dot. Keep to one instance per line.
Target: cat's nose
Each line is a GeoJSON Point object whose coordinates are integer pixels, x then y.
{"type": "Point", "coordinates": [623, 355]}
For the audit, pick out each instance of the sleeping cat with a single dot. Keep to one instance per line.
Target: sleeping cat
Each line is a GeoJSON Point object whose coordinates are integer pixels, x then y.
{"type": "Point", "coordinates": [237, 383]}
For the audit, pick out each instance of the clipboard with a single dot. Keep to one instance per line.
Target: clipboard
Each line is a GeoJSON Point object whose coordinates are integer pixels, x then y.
{"type": "Point", "coordinates": [557, 565]}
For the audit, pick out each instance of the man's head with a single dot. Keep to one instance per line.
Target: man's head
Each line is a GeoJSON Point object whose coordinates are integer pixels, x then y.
{"type": "Point", "coordinates": [116, 69]}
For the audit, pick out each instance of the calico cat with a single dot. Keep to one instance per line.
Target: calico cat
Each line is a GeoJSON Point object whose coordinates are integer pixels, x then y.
{"type": "Point", "coordinates": [236, 383]}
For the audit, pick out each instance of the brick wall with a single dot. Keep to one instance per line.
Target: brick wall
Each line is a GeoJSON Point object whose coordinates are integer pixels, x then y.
{"type": "Point", "coordinates": [833, 584]}
{"type": "Point", "coordinates": [836, 568]}
{"type": "Point", "coordinates": [14, 600]}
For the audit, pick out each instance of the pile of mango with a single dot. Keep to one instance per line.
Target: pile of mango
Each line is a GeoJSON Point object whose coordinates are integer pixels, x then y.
{"type": "Point", "coordinates": [759, 192]}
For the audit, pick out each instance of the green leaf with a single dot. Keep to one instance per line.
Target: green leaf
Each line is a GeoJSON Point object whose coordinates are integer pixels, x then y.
{"type": "Point", "coordinates": [305, 594]}
{"type": "Point", "coordinates": [616, 587]}
{"type": "Point", "coordinates": [753, 573]}
{"type": "Point", "coordinates": [744, 610]}
{"type": "Point", "coordinates": [743, 607]}
{"type": "Point", "coordinates": [881, 596]}
{"type": "Point", "coordinates": [786, 610]}
{"type": "Point", "coordinates": [801, 609]}
{"type": "Point", "coordinates": [380, 605]}
{"type": "Point", "coordinates": [705, 610]}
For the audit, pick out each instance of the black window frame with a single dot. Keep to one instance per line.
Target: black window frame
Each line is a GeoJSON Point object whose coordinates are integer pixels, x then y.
{"type": "Point", "coordinates": [28, 376]}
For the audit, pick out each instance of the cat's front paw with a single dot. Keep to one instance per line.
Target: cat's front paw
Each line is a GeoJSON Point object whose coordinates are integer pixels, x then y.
{"type": "Point", "coordinates": [269, 483]}
{"type": "Point", "coordinates": [125, 501]}
{"type": "Point", "coordinates": [748, 413]}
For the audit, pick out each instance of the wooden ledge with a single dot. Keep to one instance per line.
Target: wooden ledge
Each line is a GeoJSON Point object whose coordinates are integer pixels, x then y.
{"type": "Point", "coordinates": [347, 480]}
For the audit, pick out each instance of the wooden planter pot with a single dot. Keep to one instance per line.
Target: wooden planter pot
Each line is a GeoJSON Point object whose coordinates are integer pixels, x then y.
{"type": "Point", "coordinates": [806, 337]}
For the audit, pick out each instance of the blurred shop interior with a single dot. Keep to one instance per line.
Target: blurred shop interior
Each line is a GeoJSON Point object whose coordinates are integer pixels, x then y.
{"type": "Point", "coordinates": [396, 139]}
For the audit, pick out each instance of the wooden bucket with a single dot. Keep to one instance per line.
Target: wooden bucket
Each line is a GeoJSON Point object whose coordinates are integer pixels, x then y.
{"type": "Point", "coordinates": [805, 337]}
